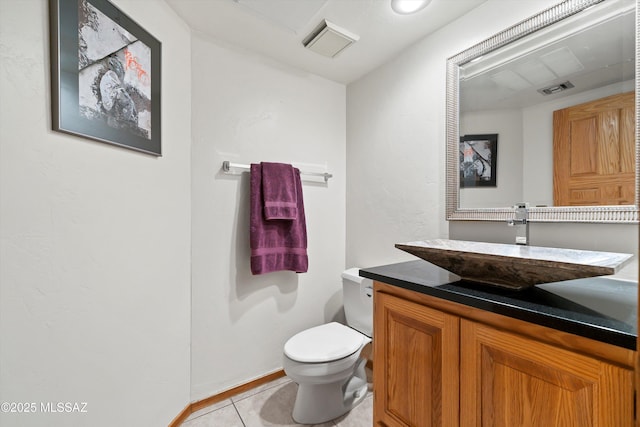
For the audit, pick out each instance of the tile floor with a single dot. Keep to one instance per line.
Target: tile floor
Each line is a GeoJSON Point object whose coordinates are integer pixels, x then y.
{"type": "Point", "coordinates": [271, 405]}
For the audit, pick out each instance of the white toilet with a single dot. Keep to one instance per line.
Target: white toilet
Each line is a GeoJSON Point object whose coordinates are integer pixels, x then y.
{"type": "Point", "coordinates": [325, 360]}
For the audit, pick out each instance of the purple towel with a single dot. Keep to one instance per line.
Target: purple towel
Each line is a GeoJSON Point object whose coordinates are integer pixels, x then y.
{"type": "Point", "coordinates": [279, 191]}
{"type": "Point", "coordinates": [276, 244]}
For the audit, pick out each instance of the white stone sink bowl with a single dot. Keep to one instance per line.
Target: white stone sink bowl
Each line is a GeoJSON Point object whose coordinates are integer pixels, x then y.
{"type": "Point", "coordinates": [514, 266]}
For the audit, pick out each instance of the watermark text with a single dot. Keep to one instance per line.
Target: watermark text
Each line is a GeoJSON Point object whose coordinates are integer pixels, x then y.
{"type": "Point", "coordinates": [43, 407]}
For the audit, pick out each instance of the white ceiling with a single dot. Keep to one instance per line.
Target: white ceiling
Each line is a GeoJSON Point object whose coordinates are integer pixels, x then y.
{"type": "Point", "coordinates": [276, 28]}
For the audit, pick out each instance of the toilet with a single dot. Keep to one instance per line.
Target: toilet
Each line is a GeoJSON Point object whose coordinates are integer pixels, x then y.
{"type": "Point", "coordinates": [325, 360]}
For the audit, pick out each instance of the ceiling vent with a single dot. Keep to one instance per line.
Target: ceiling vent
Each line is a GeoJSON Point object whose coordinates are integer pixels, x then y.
{"type": "Point", "coordinates": [556, 88]}
{"type": "Point", "coordinates": [329, 40]}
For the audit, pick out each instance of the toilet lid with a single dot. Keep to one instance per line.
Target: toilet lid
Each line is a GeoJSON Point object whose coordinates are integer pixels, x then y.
{"type": "Point", "coordinates": [323, 343]}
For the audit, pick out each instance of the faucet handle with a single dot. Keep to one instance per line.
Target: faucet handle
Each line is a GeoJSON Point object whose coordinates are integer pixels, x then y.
{"type": "Point", "coordinates": [521, 221]}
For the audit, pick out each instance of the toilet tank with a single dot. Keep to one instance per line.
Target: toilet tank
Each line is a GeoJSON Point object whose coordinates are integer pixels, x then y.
{"type": "Point", "coordinates": [358, 301]}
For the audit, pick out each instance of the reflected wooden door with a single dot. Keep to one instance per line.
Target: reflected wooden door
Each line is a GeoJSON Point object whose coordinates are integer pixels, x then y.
{"type": "Point", "coordinates": [594, 153]}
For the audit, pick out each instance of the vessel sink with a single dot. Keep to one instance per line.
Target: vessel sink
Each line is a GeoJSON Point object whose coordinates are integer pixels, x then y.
{"type": "Point", "coordinates": [514, 266]}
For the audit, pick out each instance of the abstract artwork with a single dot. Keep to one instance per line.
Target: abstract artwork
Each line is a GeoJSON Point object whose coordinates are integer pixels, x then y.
{"type": "Point", "coordinates": [478, 160]}
{"type": "Point", "coordinates": [105, 75]}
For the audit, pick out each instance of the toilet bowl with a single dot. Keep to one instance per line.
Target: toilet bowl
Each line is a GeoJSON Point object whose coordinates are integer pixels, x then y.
{"type": "Point", "coordinates": [325, 360]}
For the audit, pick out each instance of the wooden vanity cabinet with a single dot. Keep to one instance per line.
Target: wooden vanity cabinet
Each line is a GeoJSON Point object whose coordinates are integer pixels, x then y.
{"type": "Point", "coordinates": [512, 380]}
{"type": "Point", "coordinates": [439, 363]}
{"type": "Point", "coordinates": [416, 354]}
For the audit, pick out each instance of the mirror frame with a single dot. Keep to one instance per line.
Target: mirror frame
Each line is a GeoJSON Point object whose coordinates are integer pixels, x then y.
{"type": "Point", "coordinates": [594, 214]}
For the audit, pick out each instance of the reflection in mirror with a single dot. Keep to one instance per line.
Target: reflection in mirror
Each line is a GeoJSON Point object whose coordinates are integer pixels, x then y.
{"type": "Point", "coordinates": [579, 53]}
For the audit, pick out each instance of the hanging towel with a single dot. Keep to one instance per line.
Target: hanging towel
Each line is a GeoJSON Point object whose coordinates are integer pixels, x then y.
{"type": "Point", "coordinates": [276, 244]}
{"type": "Point", "coordinates": [279, 191]}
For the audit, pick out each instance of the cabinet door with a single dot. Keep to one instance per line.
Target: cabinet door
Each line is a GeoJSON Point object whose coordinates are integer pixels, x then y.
{"type": "Point", "coordinates": [416, 364]}
{"type": "Point", "coordinates": [507, 380]}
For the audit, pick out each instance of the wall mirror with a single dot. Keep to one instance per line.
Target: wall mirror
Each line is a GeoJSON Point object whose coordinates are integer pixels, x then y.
{"type": "Point", "coordinates": [545, 113]}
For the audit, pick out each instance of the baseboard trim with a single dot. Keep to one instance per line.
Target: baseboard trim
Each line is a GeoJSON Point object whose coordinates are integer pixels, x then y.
{"type": "Point", "coordinates": [181, 417]}
{"type": "Point", "coordinates": [201, 404]}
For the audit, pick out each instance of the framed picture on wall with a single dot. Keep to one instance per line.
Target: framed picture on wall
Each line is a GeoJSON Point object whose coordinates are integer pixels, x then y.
{"type": "Point", "coordinates": [478, 160]}
{"type": "Point", "coordinates": [105, 75]}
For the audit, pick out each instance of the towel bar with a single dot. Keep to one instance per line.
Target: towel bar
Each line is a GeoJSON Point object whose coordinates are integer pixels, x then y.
{"type": "Point", "coordinates": [227, 166]}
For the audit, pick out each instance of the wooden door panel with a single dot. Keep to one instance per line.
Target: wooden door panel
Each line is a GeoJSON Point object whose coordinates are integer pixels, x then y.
{"type": "Point", "coordinates": [593, 148]}
{"type": "Point", "coordinates": [608, 144]}
{"type": "Point", "coordinates": [531, 394]}
{"type": "Point", "coordinates": [508, 381]}
{"type": "Point", "coordinates": [415, 349]}
{"type": "Point", "coordinates": [416, 366]}
{"type": "Point", "coordinates": [584, 161]}
{"type": "Point", "coordinates": [585, 196]}
{"type": "Point", "coordinates": [611, 191]}
{"type": "Point", "coordinates": [628, 141]}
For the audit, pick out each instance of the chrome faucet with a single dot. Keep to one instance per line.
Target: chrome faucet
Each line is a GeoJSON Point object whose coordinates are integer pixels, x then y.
{"type": "Point", "coordinates": [521, 222]}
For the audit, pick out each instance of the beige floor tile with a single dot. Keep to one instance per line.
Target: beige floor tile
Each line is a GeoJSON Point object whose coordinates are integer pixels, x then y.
{"type": "Point", "coordinates": [223, 417]}
{"type": "Point", "coordinates": [271, 407]}
{"type": "Point", "coordinates": [360, 416]}
{"type": "Point", "coordinates": [259, 389]}
{"type": "Point", "coordinates": [211, 408]}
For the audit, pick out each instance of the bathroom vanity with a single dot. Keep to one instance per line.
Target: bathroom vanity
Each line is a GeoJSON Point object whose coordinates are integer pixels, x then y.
{"type": "Point", "coordinates": [449, 352]}
{"type": "Point", "coordinates": [517, 350]}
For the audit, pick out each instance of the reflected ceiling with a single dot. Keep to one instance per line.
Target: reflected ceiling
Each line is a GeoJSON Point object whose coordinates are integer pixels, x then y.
{"type": "Point", "coordinates": [585, 59]}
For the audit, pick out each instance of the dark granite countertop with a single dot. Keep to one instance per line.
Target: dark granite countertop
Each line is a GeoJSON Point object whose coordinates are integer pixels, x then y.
{"type": "Point", "coordinates": [600, 308]}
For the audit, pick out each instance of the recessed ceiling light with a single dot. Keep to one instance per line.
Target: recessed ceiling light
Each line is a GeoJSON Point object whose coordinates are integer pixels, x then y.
{"type": "Point", "coordinates": [405, 7]}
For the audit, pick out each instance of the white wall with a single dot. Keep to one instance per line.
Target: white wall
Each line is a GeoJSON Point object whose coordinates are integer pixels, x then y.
{"type": "Point", "coordinates": [396, 138]}
{"type": "Point", "coordinates": [94, 243]}
{"type": "Point", "coordinates": [508, 125]}
{"type": "Point", "coordinates": [248, 109]}
{"type": "Point", "coordinates": [396, 156]}
{"type": "Point", "coordinates": [395, 148]}
{"type": "Point", "coordinates": [96, 252]}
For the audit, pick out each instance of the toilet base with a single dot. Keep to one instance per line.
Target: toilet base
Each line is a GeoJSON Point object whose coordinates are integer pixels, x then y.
{"type": "Point", "coordinates": [319, 403]}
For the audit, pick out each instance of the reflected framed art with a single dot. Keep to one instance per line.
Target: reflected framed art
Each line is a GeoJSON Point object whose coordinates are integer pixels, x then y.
{"type": "Point", "coordinates": [478, 160]}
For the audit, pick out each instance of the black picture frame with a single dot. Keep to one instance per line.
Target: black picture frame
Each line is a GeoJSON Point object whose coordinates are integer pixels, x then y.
{"type": "Point", "coordinates": [478, 160]}
{"type": "Point", "coordinates": [105, 75]}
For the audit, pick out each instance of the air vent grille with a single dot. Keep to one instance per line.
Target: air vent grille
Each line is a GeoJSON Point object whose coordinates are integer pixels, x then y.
{"type": "Point", "coordinates": [329, 40]}
{"type": "Point", "coordinates": [550, 90]}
